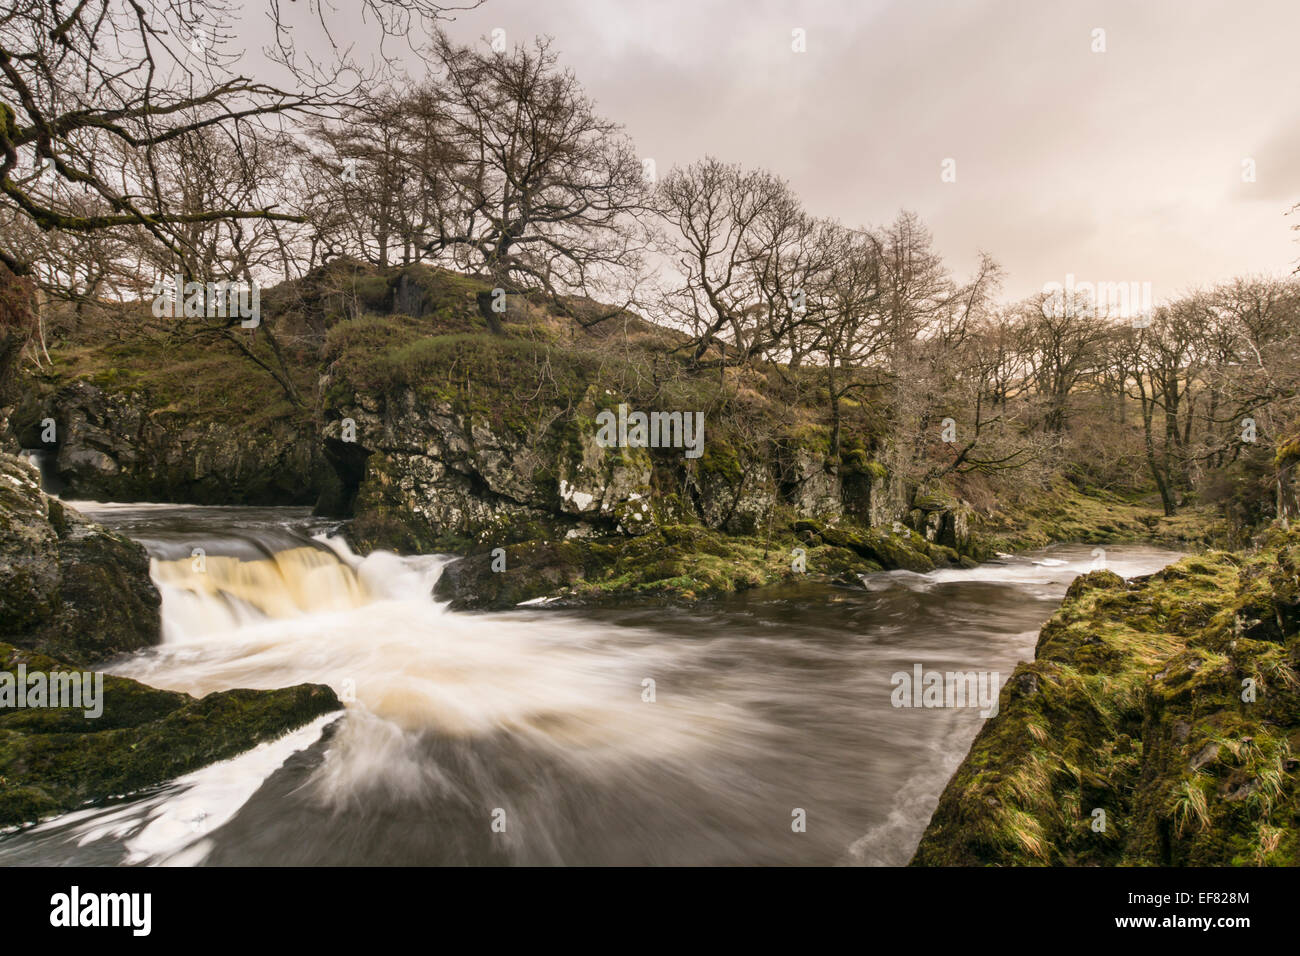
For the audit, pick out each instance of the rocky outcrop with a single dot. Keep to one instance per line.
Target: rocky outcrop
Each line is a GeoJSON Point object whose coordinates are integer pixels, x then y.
{"type": "Point", "coordinates": [435, 432]}
{"type": "Point", "coordinates": [541, 507]}
{"type": "Point", "coordinates": [114, 444]}
{"type": "Point", "coordinates": [68, 587]}
{"type": "Point", "coordinates": [901, 549]}
{"type": "Point", "coordinates": [1157, 725]}
{"type": "Point", "coordinates": [943, 521]}
{"type": "Point", "coordinates": [433, 474]}
{"type": "Point", "coordinates": [674, 563]}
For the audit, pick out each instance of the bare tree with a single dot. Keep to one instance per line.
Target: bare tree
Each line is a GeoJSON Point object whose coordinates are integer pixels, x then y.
{"type": "Point", "coordinates": [917, 286]}
{"type": "Point", "coordinates": [384, 178]}
{"type": "Point", "coordinates": [1064, 334]}
{"type": "Point", "coordinates": [745, 252]}
{"type": "Point", "coordinates": [852, 331]}
{"type": "Point", "coordinates": [81, 81]}
{"type": "Point", "coordinates": [544, 193]}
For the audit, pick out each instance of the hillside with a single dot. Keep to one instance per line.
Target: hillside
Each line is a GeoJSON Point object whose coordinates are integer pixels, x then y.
{"type": "Point", "coordinates": [408, 414]}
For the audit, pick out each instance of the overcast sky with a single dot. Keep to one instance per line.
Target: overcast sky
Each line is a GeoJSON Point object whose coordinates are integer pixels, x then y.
{"type": "Point", "coordinates": [1123, 165]}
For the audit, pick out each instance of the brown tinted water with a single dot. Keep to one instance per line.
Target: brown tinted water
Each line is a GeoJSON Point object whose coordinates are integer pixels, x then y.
{"type": "Point", "coordinates": [532, 736]}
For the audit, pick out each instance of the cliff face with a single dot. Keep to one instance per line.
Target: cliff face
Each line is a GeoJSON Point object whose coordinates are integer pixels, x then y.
{"type": "Point", "coordinates": [429, 473]}
{"type": "Point", "coordinates": [124, 444]}
{"type": "Point", "coordinates": [67, 586]}
{"type": "Point", "coordinates": [1157, 725]}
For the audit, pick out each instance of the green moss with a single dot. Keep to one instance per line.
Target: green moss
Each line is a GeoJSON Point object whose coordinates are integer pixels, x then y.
{"type": "Point", "coordinates": [53, 760]}
{"type": "Point", "coordinates": [720, 460]}
{"type": "Point", "coordinates": [679, 562]}
{"type": "Point", "coordinates": [182, 378]}
{"type": "Point", "coordinates": [1134, 705]}
{"type": "Point", "coordinates": [1062, 513]}
{"type": "Point", "coordinates": [374, 292]}
{"type": "Point", "coordinates": [1288, 452]}
{"type": "Point", "coordinates": [676, 561]}
{"type": "Point", "coordinates": [504, 383]}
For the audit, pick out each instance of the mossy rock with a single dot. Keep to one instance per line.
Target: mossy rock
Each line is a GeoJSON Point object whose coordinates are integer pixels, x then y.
{"type": "Point", "coordinates": [54, 760]}
{"type": "Point", "coordinates": [675, 563]}
{"type": "Point", "coordinates": [1149, 700]}
{"type": "Point", "coordinates": [932, 501]}
{"type": "Point", "coordinates": [1093, 579]}
{"type": "Point", "coordinates": [68, 587]}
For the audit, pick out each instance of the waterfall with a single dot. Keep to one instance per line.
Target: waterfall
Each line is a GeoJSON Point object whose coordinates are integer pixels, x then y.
{"type": "Point", "coordinates": [44, 459]}
{"type": "Point", "coordinates": [205, 593]}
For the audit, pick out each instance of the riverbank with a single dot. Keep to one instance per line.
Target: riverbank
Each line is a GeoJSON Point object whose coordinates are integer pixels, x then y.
{"type": "Point", "coordinates": [1156, 726]}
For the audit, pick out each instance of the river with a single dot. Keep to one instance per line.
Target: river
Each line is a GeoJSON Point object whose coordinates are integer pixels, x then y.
{"type": "Point", "coordinates": [756, 729]}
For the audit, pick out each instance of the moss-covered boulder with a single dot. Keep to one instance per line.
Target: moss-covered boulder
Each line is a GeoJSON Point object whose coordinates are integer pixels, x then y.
{"type": "Point", "coordinates": [1156, 726]}
{"type": "Point", "coordinates": [68, 586]}
{"type": "Point", "coordinates": [671, 563]}
{"type": "Point", "coordinates": [898, 548]}
{"type": "Point", "coordinates": [56, 759]}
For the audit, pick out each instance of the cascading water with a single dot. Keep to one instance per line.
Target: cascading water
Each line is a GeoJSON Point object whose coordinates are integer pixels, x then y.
{"type": "Point", "coordinates": [632, 735]}
{"type": "Point", "coordinates": [44, 459]}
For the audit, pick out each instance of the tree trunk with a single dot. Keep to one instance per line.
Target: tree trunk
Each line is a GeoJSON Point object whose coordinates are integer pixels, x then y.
{"type": "Point", "coordinates": [1167, 499]}
{"type": "Point", "coordinates": [835, 411]}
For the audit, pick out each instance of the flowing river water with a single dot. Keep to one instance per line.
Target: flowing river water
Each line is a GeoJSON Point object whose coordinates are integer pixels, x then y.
{"type": "Point", "coordinates": [535, 736]}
